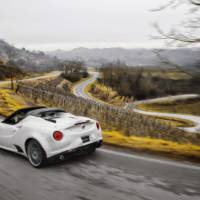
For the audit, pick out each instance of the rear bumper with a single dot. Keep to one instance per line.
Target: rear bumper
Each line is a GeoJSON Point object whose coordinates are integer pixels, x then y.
{"type": "Point", "coordinates": [77, 151]}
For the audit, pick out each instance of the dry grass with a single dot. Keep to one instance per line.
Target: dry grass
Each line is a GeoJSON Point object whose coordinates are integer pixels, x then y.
{"type": "Point", "coordinates": [53, 84]}
{"type": "Point", "coordinates": [105, 94]}
{"type": "Point", "coordinates": [156, 146]}
{"type": "Point", "coordinates": [185, 106]}
{"type": "Point", "coordinates": [173, 74]}
{"type": "Point", "coordinates": [174, 122]}
{"type": "Point", "coordinates": [10, 102]}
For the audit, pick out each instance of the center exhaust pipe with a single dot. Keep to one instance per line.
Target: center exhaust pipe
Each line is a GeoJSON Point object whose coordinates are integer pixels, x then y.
{"type": "Point", "coordinates": [61, 157]}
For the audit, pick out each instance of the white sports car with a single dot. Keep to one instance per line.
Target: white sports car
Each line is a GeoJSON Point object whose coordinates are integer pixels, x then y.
{"type": "Point", "coordinates": [41, 133]}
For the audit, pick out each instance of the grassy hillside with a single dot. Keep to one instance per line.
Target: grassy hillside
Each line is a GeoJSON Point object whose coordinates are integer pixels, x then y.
{"type": "Point", "coordinates": [105, 94]}
{"type": "Point", "coordinates": [156, 146]}
{"type": "Point", "coordinates": [36, 61]}
{"type": "Point", "coordinates": [10, 102]}
{"type": "Point", "coordinates": [7, 70]}
{"type": "Point", "coordinates": [53, 84]}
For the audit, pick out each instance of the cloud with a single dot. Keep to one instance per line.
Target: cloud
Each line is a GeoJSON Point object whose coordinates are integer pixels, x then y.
{"type": "Point", "coordinates": [73, 22]}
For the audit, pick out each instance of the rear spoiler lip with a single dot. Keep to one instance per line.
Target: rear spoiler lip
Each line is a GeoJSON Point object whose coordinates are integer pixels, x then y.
{"type": "Point", "coordinates": [51, 120]}
{"type": "Point", "coordinates": [78, 123]}
{"type": "Point", "coordinates": [84, 122]}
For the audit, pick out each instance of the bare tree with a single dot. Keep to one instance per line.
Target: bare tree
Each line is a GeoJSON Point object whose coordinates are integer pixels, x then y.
{"type": "Point", "coordinates": [11, 63]}
{"type": "Point", "coordinates": [166, 61]}
{"type": "Point", "coordinates": [70, 67]}
{"type": "Point", "coordinates": [73, 70]}
{"type": "Point", "coordinates": [11, 80]}
{"type": "Point", "coordinates": [188, 32]}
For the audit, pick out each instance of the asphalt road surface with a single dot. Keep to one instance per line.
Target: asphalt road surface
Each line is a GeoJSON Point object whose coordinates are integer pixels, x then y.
{"type": "Point", "coordinates": [105, 175]}
{"type": "Point", "coordinates": [79, 88]}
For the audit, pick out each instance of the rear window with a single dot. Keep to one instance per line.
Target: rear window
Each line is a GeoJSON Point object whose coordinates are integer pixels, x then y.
{"type": "Point", "coordinates": [51, 114]}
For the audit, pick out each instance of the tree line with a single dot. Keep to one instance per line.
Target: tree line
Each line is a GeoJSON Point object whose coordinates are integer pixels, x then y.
{"type": "Point", "coordinates": [141, 83]}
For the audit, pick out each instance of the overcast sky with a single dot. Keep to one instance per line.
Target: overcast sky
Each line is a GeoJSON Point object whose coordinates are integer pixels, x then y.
{"type": "Point", "coordinates": [66, 24]}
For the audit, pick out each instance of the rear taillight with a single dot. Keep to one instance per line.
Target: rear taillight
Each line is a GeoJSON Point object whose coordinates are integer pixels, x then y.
{"type": "Point", "coordinates": [57, 135]}
{"type": "Point", "coordinates": [98, 125]}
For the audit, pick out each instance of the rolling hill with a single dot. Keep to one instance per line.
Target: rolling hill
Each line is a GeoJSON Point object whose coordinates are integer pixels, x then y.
{"type": "Point", "coordinates": [133, 57]}
{"type": "Point", "coordinates": [27, 60]}
{"type": "Point", "coordinates": [43, 61]}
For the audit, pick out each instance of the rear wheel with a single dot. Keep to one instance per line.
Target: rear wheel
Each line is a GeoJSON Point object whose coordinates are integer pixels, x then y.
{"type": "Point", "coordinates": [36, 154]}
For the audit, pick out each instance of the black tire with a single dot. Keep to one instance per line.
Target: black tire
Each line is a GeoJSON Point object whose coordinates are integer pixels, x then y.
{"type": "Point", "coordinates": [36, 155]}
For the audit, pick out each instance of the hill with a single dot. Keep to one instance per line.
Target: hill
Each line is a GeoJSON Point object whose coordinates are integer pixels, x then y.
{"type": "Point", "coordinates": [27, 60]}
{"type": "Point", "coordinates": [132, 57]}
{"type": "Point", "coordinates": [40, 61]}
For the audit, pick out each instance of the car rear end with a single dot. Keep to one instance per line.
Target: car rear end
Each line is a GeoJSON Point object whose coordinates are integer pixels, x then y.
{"type": "Point", "coordinates": [74, 134]}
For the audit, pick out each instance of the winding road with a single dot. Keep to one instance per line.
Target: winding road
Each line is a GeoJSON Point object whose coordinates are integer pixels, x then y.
{"type": "Point", "coordinates": [109, 174]}
{"type": "Point", "coordinates": [194, 119]}
{"type": "Point", "coordinates": [48, 75]}
{"type": "Point", "coordinates": [79, 91]}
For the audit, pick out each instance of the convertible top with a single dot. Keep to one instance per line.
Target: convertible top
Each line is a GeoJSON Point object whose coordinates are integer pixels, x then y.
{"type": "Point", "coordinates": [25, 111]}
{"type": "Point", "coordinates": [41, 111]}
{"type": "Point", "coordinates": [29, 109]}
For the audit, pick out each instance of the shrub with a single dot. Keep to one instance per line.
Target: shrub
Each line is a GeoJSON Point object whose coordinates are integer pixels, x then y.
{"type": "Point", "coordinates": [73, 77]}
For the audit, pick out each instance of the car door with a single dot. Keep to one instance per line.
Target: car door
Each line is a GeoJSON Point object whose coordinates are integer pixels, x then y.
{"type": "Point", "coordinates": [9, 128]}
{"type": "Point", "coordinates": [7, 133]}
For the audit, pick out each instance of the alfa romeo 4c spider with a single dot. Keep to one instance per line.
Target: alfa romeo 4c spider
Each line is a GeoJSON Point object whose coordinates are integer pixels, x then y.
{"type": "Point", "coordinates": [41, 133]}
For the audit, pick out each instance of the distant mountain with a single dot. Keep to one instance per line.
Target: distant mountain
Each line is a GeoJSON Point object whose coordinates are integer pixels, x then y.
{"type": "Point", "coordinates": [132, 57]}
{"type": "Point", "coordinates": [27, 60]}
{"type": "Point", "coordinates": [40, 61]}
